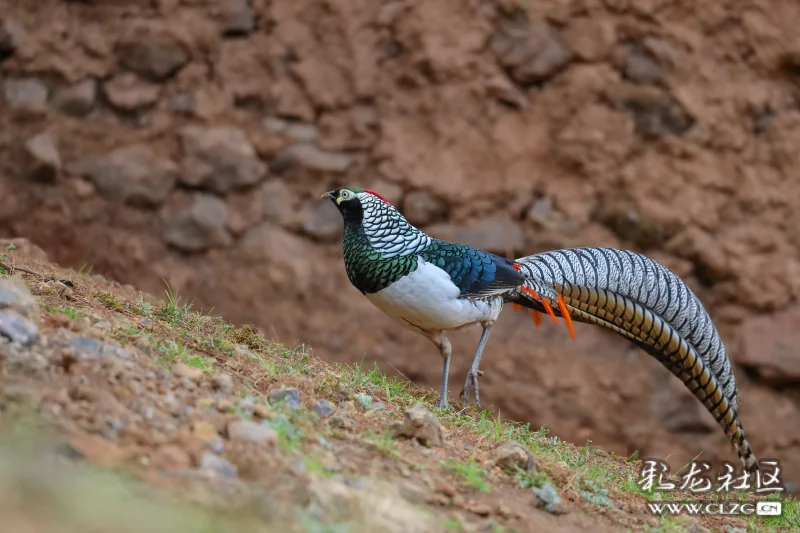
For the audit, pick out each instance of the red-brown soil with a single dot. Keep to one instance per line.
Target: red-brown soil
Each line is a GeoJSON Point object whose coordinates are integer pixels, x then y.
{"type": "Point", "coordinates": [187, 141]}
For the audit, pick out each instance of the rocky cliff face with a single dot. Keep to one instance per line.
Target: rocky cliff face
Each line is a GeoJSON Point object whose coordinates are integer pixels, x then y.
{"type": "Point", "coordinates": [190, 140]}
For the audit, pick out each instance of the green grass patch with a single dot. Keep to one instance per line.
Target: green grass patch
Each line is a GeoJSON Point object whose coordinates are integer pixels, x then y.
{"type": "Point", "coordinates": [471, 471]}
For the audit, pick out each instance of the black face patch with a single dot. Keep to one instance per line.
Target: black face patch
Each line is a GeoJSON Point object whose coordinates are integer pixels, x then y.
{"type": "Point", "coordinates": [351, 209]}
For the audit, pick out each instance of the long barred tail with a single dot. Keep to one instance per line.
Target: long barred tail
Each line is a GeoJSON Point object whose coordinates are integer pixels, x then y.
{"type": "Point", "coordinates": [643, 301]}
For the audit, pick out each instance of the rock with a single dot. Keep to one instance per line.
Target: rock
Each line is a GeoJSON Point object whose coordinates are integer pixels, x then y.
{"type": "Point", "coordinates": [41, 160]}
{"type": "Point", "coordinates": [246, 431]}
{"type": "Point", "coordinates": [183, 103]}
{"type": "Point", "coordinates": [223, 383]}
{"type": "Point", "coordinates": [494, 235]}
{"type": "Point", "coordinates": [314, 158]}
{"type": "Point", "coordinates": [412, 492]}
{"type": "Point", "coordinates": [548, 498]}
{"type": "Point", "coordinates": [503, 89]}
{"type": "Point", "coordinates": [128, 93]}
{"type": "Point", "coordinates": [15, 296]}
{"type": "Point", "coordinates": [621, 215]}
{"type": "Point", "coordinates": [325, 223]}
{"type": "Point", "coordinates": [245, 210]}
{"type": "Point", "coordinates": [278, 202]}
{"type": "Point", "coordinates": [530, 51]}
{"type": "Point", "coordinates": [480, 509]}
{"type": "Point", "coordinates": [421, 208]}
{"type": "Point", "coordinates": [219, 158]}
{"type": "Point", "coordinates": [134, 175]}
{"type": "Point", "coordinates": [153, 55]}
{"type": "Point", "coordinates": [512, 455]}
{"type": "Point", "coordinates": [219, 465]}
{"type": "Point", "coordinates": [26, 94]}
{"type": "Point", "coordinates": [711, 262]}
{"type": "Point", "coordinates": [289, 396]}
{"type": "Point", "coordinates": [91, 348]}
{"type": "Point", "coordinates": [278, 248]}
{"type": "Point", "coordinates": [340, 421]}
{"type": "Point", "coordinates": [654, 110]}
{"type": "Point", "coordinates": [170, 458]}
{"type": "Point", "coordinates": [591, 39]}
{"type": "Point", "coordinates": [642, 67]}
{"type": "Point", "coordinates": [297, 131]}
{"type": "Point", "coordinates": [7, 44]}
{"type": "Point", "coordinates": [182, 370]}
{"type": "Point", "coordinates": [769, 346]}
{"type": "Point", "coordinates": [202, 226]}
{"type": "Point", "coordinates": [17, 328]}
{"type": "Point", "coordinates": [77, 99]}
{"type": "Point", "coordinates": [421, 424]}
{"type": "Point", "coordinates": [323, 408]}
{"type": "Point", "coordinates": [237, 18]}
{"type": "Point", "coordinates": [542, 213]}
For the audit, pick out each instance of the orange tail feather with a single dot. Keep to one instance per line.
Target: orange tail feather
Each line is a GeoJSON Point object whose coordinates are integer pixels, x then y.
{"type": "Point", "coordinates": [565, 313]}
{"type": "Point", "coordinates": [549, 310]}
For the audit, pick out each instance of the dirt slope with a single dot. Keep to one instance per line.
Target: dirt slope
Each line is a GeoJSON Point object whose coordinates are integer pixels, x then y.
{"type": "Point", "coordinates": [189, 140]}
{"type": "Point", "coordinates": [122, 412]}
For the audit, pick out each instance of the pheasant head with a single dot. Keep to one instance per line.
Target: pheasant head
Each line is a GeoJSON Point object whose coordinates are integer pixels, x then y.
{"type": "Point", "coordinates": [370, 219]}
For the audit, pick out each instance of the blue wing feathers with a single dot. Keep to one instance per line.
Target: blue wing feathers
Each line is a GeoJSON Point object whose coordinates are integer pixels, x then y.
{"type": "Point", "coordinates": [473, 271]}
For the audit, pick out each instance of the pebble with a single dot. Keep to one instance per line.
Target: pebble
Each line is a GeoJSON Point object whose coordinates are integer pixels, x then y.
{"type": "Point", "coordinates": [323, 408]}
{"type": "Point", "coordinates": [223, 383]}
{"type": "Point", "coordinates": [126, 92]}
{"type": "Point", "coordinates": [297, 131]}
{"type": "Point", "coordinates": [290, 397]}
{"type": "Point", "coordinates": [513, 455]}
{"type": "Point", "coordinates": [342, 422]}
{"type": "Point", "coordinates": [152, 54]}
{"type": "Point", "coordinates": [26, 94]}
{"type": "Point", "coordinates": [247, 431]}
{"type": "Point", "coordinates": [531, 51]}
{"type": "Point", "coordinates": [41, 161]}
{"type": "Point", "coordinates": [14, 295]}
{"type": "Point", "coordinates": [219, 158]}
{"type": "Point", "coordinates": [200, 227]}
{"type": "Point", "coordinates": [325, 222]}
{"type": "Point", "coordinates": [238, 17]}
{"type": "Point", "coordinates": [17, 328]}
{"type": "Point", "coordinates": [220, 465]}
{"type": "Point", "coordinates": [421, 424]}
{"type": "Point", "coordinates": [313, 158]}
{"type": "Point", "coordinates": [133, 174]}
{"type": "Point", "coordinates": [91, 348]}
{"type": "Point", "coordinates": [78, 99]}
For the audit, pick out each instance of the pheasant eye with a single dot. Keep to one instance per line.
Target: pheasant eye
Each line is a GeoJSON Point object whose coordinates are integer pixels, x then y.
{"type": "Point", "coordinates": [345, 194]}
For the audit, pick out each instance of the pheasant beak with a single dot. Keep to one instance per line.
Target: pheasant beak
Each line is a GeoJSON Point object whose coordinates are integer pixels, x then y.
{"type": "Point", "coordinates": [329, 195]}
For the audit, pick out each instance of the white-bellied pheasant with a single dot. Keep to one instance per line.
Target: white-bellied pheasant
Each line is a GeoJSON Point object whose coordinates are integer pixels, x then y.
{"type": "Point", "coordinates": [432, 286]}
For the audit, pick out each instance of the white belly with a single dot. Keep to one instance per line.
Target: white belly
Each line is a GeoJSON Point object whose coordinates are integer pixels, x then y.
{"type": "Point", "coordinates": [429, 301]}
